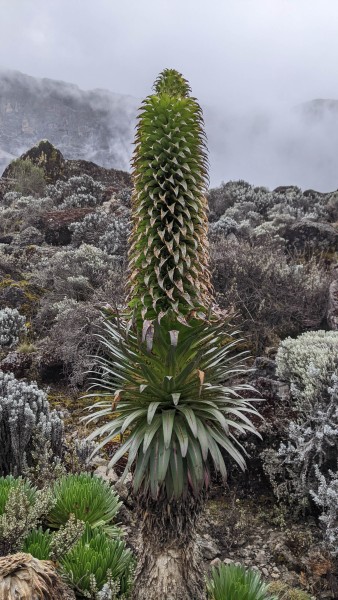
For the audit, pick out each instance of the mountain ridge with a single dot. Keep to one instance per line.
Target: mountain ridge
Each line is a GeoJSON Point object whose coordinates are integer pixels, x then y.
{"type": "Point", "coordinates": [95, 125]}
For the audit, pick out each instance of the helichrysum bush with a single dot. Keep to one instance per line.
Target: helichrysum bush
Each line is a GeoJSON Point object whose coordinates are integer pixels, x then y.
{"type": "Point", "coordinates": [89, 498]}
{"type": "Point", "coordinates": [307, 363]}
{"type": "Point", "coordinates": [12, 325]}
{"type": "Point", "coordinates": [97, 556]}
{"type": "Point", "coordinates": [326, 497]}
{"type": "Point", "coordinates": [76, 192]}
{"type": "Point", "coordinates": [24, 413]}
{"type": "Point", "coordinates": [104, 231]}
{"type": "Point", "coordinates": [310, 449]}
{"type": "Point", "coordinates": [304, 467]}
{"type": "Point", "coordinates": [237, 199]}
{"type": "Point", "coordinates": [234, 582]}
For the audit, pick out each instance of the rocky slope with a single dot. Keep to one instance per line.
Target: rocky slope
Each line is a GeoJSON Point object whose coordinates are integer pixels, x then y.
{"type": "Point", "coordinates": [94, 125]}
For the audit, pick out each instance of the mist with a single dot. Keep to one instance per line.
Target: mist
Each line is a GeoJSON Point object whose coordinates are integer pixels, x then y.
{"type": "Point", "coordinates": [275, 146]}
{"type": "Point", "coordinates": [254, 66]}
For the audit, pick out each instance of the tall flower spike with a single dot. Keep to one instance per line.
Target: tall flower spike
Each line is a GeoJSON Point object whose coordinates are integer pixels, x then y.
{"type": "Point", "coordinates": [169, 256]}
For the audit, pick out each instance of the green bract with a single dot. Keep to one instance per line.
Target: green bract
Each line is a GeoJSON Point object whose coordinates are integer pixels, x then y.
{"type": "Point", "coordinates": [234, 582]}
{"type": "Point", "coordinates": [178, 408]}
{"type": "Point", "coordinates": [8, 483]}
{"type": "Point", "coordinates": [38, 544]}
{"type": "Point", "coordinates": [89, 499]}
{"type": "Point", "coordinates": [169, 256]}
{"type": "Point", "coordinates": [96, 554]}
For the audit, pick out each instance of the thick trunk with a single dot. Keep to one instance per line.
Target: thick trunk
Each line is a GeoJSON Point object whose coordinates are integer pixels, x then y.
{"type": "Point", "coordinates": [169, 562]}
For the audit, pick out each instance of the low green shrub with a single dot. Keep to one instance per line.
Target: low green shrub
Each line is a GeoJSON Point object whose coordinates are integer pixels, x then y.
{"type": "Point", "coordinates": [89, 499]}
{"type": "Point", "coordinates": [95, 560]}
{"type": "Point", "coordinates": [234, 582]}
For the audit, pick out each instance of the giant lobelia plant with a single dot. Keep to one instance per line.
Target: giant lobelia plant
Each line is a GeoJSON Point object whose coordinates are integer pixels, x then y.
{"type": "Point", "coordinates": [167, 368]}
{"type": "Point", "coordinates": [168, 256]}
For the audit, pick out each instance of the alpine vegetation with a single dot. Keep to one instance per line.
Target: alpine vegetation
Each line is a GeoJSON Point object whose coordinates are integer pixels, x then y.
{"type": "Point", "coordinates": [12, 325]}
{"type": "Point", "coordinates": [24, 414]}
{"type": "Point", "coordinates": [167, 366]}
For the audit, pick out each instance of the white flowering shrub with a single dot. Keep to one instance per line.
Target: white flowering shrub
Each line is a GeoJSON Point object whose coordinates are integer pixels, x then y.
{"type": "Point", "coordinates": [310, 448]}
{"type": "Point", "coordinates": [76, 192]}
{"type": "Point", "coordinates": [79, 201]}
{"type": "Point", "coordinates": [105, 231]}
{"type": "Point", "coordinates": [12, 325]}
{"type": "Point", "coordinates": [307, 363]}
{"type": "Point", "coordinates": [115, 239]}
{"type": "Point", "coordinates": [304, 469]}
{"type": "Point", "coordinates": [25, 413]}
{"type": "Point", "coordinates": [243, 197]}
{"type": "Point", "coordinates": [223, 226]}
{"type": "Point", "coordinates": [10, 198]}
{"type": "Point", "coordinates": [89, 230]}
{"type": "Point", "coordinates": [326, 497]}
{"type": "Point", "coordinates": [68, 270]}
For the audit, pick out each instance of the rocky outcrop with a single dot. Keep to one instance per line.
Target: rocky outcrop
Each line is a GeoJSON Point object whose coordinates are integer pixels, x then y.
{"type": "Point", "coordinates": [55, 167]}
{"type": "Point", "coordinates": [46, 156]}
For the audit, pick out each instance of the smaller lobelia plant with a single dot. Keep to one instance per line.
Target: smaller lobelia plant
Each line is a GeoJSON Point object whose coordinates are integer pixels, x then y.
{"type": "Point", "coordinates": [234, 582]}
{"type": "Point", "coordinates": [38, 544]}
{"type": "Point", "coordinates": [97, 557]}
{"type": "Point", "coordinates": [89, 499]}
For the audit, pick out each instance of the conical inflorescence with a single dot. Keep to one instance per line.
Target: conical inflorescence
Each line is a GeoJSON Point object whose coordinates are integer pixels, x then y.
{"type": "Point", "coordinates": [169, 258]}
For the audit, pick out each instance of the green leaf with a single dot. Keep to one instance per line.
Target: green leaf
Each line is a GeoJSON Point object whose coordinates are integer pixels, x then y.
{"type": "Point", "coordinates": [190, 418]}
{"type": "Point", "coordinates": [153, 406]}
{"type": "Point", "coordinates": [168, 417]}
{"type": "Point", "coordinates": [182, 436]}
{"type": "Point", "coordinates": [151, 431]}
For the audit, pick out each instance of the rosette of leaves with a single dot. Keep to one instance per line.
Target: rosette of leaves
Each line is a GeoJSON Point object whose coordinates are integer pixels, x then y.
{"type": "Point", "coordinates": [90, 499]}
{"type": "Point", "coordinates": [177, 407]}
{"type": "Point", "coordinates": [97, 555]}
{"type": "Point", "coordinates": [38, 544]}
{"type": "Point", "coordinates": [10, 483]}
{"type": "Point", "coordinates": [237, 583]}
{"type": "Point", "coordinates": [169, 256]}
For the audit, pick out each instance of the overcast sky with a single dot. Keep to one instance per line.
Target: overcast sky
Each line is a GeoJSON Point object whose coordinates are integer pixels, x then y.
{"type": "Point", "coordinates": [245, 60]}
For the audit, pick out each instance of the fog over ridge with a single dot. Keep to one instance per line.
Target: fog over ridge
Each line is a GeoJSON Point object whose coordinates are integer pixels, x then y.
{"type": "Point", "coordinates": [269, 146]}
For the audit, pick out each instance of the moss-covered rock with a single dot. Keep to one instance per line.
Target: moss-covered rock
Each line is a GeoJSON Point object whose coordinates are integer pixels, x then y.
{"type": "Point", "coordinates": [20, 294]}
